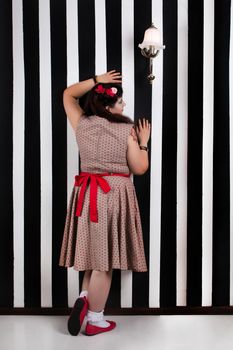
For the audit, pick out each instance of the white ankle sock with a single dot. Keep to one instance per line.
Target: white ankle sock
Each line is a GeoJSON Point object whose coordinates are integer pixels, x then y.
{"type": "Point", "coordinates": [97, 319]}
{"type": "Point", "coordinates": [83, 293]}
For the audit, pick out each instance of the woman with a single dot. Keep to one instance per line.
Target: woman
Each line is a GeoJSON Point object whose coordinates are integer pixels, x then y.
{"type": "Point", "coordinates": [103, 228]}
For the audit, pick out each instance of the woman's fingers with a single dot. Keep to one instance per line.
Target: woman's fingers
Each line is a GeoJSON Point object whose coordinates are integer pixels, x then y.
{"type": "Point", "coordinates": [144, 122]}
{"type": "Point", "coordinates": [113, 72]}
{"type": "Point", "coordinates": [141, 123]}
{"type": "Point", "coordinates": [116, 81]}
{"type": "Point", "coordinates": [147, 124]}
{"type": "Point", "coordinates": [115, 76]}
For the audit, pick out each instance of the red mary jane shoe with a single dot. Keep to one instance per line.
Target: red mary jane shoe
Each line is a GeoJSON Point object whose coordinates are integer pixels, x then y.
{"type": "Point", "coordinates": [77, 315]}
{"type": "Point", "coordinates": [92, 330]}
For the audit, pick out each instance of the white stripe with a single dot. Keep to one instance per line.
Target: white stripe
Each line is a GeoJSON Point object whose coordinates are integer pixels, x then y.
{"type": "Point", "coordinates": [46, 153]}
{"type": "Point", "coordinates": [231, 156]}
{"type": "Point", "coordinates": [207, 161]}
{"type": "Point", "coordinates": [100, 37]}
{"type": "Point", "coordinates": [18, 151]}
{"type": "Point", "coordinates": [128, 56]}
{"type": "Point", "coordinates": [182, 127]}
{"type": "Point", "coordinates": [72, 148]}
{"type": "Point", "coordinates": [128, 88]}
{"type": "Point", "coordinates": [155, 166]}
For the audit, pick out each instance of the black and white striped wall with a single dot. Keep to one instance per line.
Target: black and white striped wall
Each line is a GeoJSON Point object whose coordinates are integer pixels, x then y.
{"type": "Point", "coordinates": [186, 196]}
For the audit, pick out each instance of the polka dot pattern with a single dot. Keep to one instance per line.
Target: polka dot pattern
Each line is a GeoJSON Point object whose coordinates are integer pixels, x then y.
{"type": "Point", "coordinates": [116, 240]}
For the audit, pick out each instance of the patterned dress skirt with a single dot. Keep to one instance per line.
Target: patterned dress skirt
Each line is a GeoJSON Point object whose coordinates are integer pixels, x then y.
{"type": "Point", "coordinates": [115, 241]}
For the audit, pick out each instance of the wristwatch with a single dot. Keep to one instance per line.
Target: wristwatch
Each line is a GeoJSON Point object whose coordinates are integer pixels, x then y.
{"type": "Point", "coordinates": [145, 148]}
{"type": "Point", "coordinates": [95, 79]}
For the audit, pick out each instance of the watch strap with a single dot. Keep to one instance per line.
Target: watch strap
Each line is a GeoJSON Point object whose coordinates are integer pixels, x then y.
{"type": "Point", "coordinates": [144, 148]}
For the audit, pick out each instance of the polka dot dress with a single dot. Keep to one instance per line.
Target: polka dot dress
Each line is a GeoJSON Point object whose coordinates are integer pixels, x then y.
{"type": "Point", "coordinates": [116, 240]}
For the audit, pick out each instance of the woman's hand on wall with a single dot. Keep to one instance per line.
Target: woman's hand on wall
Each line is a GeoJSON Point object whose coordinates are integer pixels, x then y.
{"type": "Point", "coordinates": [110, 77]}
{"type": "Point", "coordinates": [143, 131]}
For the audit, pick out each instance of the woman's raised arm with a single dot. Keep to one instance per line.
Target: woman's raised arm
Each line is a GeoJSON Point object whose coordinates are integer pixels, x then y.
{"type": "Point", "coordinates": [72, 93]}
{"type": "Point", "coordinates": [71, 103]}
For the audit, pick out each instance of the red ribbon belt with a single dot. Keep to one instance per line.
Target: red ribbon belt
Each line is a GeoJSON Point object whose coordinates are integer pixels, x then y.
{"type": "Point", "coordinates": [95, 180]}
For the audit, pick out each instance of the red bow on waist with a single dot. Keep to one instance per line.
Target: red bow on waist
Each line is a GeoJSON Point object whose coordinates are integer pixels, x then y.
{"type": "Point", "coordinates": [95, 180]}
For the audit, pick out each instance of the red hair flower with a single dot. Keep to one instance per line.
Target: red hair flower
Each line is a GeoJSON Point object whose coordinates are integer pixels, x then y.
{"type": "Point", "coordinates": [111, 92]}
{"type": "Point", "coordinates": [100, 89]}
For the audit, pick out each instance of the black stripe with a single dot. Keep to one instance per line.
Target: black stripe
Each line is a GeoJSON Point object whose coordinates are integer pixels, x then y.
{"type": "Point", "coordinates": [221, 171]}
{"type": "Point", "coordinates": [113, 34]}
{"type": "Point", "coordinates": [113, 38]}
{"type": "Point", "coordinates": [86, 41]}
{"type": "Point", "coordinates": [32, 203]}
{"type": "Point", "coordinates": [142, 107]}
{"type": "Point", "coordinates": [59, 147]}
{"type": "Point", "coordinates": [169, 158]}
{"type": "Point", "coordinates": [86, 38]}
{"type": "Point", "coordinates": [195, 134]}
{"type": "Point", "coordinates": [6, 154]}
{"type": "Point", "coordinates": [86, 24]}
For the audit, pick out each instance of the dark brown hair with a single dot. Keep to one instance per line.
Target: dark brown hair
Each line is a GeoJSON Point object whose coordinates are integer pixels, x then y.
{"type": "Point", "coordinates": [96, 102]}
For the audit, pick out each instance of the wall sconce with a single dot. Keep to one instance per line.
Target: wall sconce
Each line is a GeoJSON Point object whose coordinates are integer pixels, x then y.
{"type": "Point", "coordinates": [150, 47]}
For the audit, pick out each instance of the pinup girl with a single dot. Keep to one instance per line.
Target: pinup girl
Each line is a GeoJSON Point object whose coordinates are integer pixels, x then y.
{"type": "Point", "coordinates": [103, 227]}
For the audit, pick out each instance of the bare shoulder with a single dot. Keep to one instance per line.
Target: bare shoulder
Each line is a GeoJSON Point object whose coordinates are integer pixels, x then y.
{"type": "Point", "coordinates": [72, 109]}
{"type": "Point", "coordinates": [77, 123]}
{"type": "Point", "coordinates": [130, 140]}
{"type": "Point", "coordinates": [132, 137]}
{"type": "Point", "coordinates": [135, 158]}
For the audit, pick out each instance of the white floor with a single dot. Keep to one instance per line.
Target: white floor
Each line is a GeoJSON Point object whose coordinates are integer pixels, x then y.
{"type": "Point", "coordinates": [132, 332]}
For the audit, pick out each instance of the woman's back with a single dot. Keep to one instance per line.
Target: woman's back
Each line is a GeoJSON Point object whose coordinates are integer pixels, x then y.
{"type": "Point", "coordinates": [102, 145]}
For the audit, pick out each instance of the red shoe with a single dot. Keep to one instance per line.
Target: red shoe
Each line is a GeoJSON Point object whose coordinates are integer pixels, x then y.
{"type": "Point", "coordinates": [92, 330]}
{"type": "Point", "coordinates": [77, 315]}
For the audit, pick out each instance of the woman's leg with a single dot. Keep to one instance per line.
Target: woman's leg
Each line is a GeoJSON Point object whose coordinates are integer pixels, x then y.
{"type": "Point", "coordinates": [80, 307]}
{"type": "Point", "coordinates": [98, 289]}
{"type": "Point", "coordinates": [86, 279]}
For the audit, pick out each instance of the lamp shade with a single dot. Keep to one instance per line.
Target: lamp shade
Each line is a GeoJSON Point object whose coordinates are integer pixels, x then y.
{"type": "Point", "coordinates": [152, 38]}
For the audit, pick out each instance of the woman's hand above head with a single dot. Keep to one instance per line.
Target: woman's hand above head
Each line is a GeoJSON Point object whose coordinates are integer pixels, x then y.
{"type": "Point", "coordinates": [110, 77]}
{"type": "Point", "coordinates": [143, 131]}
{"type": "Point", "coordinates": [73, 92]}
